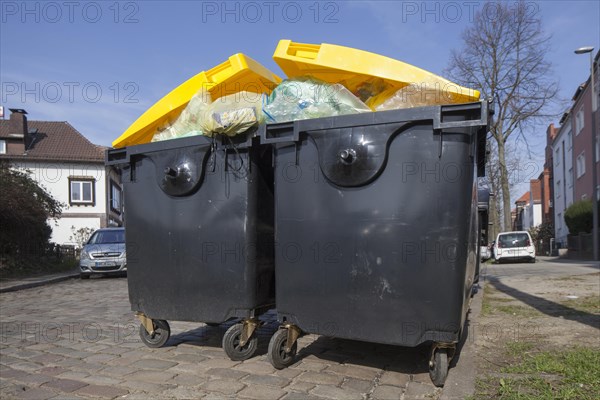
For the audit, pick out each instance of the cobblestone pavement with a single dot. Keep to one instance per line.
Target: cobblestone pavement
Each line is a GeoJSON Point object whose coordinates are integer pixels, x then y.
{"type": "Point", "coordinates": [79, 339]}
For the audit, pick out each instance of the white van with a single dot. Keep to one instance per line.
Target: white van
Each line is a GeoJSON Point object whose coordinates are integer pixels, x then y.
{"type": "Point", "coordinates": [514, 246]}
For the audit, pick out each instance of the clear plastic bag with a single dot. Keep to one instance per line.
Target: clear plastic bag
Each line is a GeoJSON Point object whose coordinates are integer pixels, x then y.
{"type": "Point", "coordinates": [417, 95]}
{"type": "Point", "coordinates": [305, 98]}
{"type": "Point", "coordinates": [189, 121]}
{"type": "Point", "coordinates": [233, 114]}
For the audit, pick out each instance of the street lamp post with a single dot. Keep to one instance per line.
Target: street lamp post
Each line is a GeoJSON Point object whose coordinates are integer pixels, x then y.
{"type": "Point", "coordinates": [583, 50]}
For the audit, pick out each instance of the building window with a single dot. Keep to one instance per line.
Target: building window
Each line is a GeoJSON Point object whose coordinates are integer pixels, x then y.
{"type": "Point", "coordinates": [557, 157]}
{"type": "Point", "coordinates": [558, 189]}
{"type": "Point", "coordinates": [2, 146]}
{"type": "Point", "coordinates": [598, 148]}
{"type": "Point", "coordinates": [569, 177]}
{"type": "Point", "coordinates": [579, 121]}
{"type": "Point", "coordinates": [570, 139]}
{"type": "Point", "coordinates": [580, 164]}
{"type": "Point", "coordinates": [82, 191]}
{"type": "Point", "coordinates": [116, 196]}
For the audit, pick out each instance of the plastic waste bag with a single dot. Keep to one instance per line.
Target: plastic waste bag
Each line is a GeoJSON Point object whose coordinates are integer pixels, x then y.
{"type": "Point", "coordinates": [233, 114]}
{"type": "Point", "coordinates": [417, 95]}
{"type": "Point", "coordinates": [189, 121]}
{"type": "Point", "coordinates": [371, 91]}
{"type": "Point", "coordinates": [305, 98]}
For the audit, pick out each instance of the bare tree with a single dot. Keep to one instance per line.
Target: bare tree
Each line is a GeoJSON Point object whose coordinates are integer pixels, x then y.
{"type": "Point", "coordinates": [493, 181]}
{"type": "Point", "coordinates": [504, 56]}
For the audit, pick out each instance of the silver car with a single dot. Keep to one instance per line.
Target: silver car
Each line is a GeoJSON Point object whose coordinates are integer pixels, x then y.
{"type": "Point", "coordinates": [104, 253]}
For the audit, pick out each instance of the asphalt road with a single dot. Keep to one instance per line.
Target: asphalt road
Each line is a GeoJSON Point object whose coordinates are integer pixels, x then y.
{"type": "Point", "coordinates": [544, 267]}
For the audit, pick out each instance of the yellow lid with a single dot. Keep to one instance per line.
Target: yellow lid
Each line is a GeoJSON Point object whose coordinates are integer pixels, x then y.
{"type": "Point", "coordinates": [238, 73]}
{"type": "Point", "coordinates": [372, 77]}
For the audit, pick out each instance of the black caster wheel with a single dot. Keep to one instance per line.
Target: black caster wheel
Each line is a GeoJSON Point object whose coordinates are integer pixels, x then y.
{"type": "Point", "coordinates": [276, 354]}
{"type": "Point", "coordinates": [231, 344]}
{"type": "Point", "coordinates": [438, 368]}
{"type": "Point", "coordinates": [161, 334]}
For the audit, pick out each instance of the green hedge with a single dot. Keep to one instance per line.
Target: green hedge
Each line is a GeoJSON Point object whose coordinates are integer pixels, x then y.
{"type": "Point", "coordinates": [578, 217]}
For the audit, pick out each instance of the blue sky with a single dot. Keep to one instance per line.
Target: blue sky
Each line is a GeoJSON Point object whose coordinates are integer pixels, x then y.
{"type": "Point", "coordinates": [100, 64]}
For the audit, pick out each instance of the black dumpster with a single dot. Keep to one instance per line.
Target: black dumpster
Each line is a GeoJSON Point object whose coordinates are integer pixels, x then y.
{"type": "Point", "coordinates": [376, 227]}
{"type": "Point", "coordinates": [199, 222]}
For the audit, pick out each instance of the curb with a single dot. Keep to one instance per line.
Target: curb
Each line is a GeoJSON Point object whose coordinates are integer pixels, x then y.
{"type": "Point", "coordinates": [461, 376]}
{"type": "Point", "coordinates": [42, 282]}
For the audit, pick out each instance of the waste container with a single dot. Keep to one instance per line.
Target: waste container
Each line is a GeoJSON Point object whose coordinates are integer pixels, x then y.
{"type": "Point", "coordinates": [199, 222]}
{"type": "Point", "coordinates": [376, 227]}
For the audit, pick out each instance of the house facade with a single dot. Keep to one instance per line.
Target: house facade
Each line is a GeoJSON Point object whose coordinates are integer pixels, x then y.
{"type": "Point", "coordinates": [528, 208]}
{"type": "Point", "coordinates": [520, 212]}
{"type": "Point", "coordinates": [69, 167]}
{"type": "Point", "coordinates": [547, 178]}
{"type": "Point", "coordinates": [562, 158]}
{"type": "Point", "coordinates": [534, 207]}
{"type": "Point", "coordinates": [572, 155]}
{"type": "Point", "coordinates": [581, 122]}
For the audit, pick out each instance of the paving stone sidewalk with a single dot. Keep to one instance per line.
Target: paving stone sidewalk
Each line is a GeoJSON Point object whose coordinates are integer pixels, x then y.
{"type": "Point", "coordinates": [79, 339]}
{"type": "Point", "coordinates": [12, 285]}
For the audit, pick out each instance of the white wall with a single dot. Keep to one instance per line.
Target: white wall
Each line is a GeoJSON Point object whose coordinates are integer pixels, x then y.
{"type": "Point", "coordinates": [54, 177]}
{"type": "Point", "coordinates": [537, 215]}
{"type": "Point", "coordinates": [562, 152]}
{"type": "Point", "coordinates": [63, 229]}
{"type": "Point", "coordinates": [527, 217]}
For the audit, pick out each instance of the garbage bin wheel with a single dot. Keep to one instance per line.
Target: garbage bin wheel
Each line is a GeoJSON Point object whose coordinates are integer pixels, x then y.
{"type": "Point", "coordinates": [231, 344]}
{"type": "Point", "coordinates": [277, 354]}
{"type": "Point", "coordinates": [438, 369]}
{"type": "Point", "coordinates": [161, 334]}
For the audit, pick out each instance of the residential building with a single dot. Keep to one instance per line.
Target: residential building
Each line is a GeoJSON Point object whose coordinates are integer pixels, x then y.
{"type": "Point", "coordinates": [533, 212]}
{"type": "Point", "coordinates": [528, 210]}
{"type": "Point", "coordinates": [582, 138]}
{"type": "Point", "coordinates": [562, 159]}
{"type": "Point", "coordinates": [571, 155]}
{"type": "Point", "coordinates": [547, 178]}
{"type": "Point", "coordinates": [521, 212]}
{"type": "Point", "coordinates": [69, 167]}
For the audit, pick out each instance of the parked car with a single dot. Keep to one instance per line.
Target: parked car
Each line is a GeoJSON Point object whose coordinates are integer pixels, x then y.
{"type": "Point", "coordinates": [485, 253]}
{"type": "Point", "coordinates": [104, 253]}
{"type": "Point", "coordinates": [514, 246]}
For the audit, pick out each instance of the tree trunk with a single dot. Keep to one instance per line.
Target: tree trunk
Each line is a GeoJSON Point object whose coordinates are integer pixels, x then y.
{"type": "Point", "coordinates": [504, 185]}
{"type": "Point", "coordinates": [494, 218]}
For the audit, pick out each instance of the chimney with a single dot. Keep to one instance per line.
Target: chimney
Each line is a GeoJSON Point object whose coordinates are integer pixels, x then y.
{"type": "Point", "coordinates": [17, 126]}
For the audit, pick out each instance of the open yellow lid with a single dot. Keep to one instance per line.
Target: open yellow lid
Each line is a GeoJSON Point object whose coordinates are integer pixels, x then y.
{"type": "Point", "coordinates": [238, 73]}
{"type": "Point", "coordinates": [371, 77]}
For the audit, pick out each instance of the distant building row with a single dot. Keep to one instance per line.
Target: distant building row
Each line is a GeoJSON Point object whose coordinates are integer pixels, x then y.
{"type": "Point", "coordinates": [567, 175]}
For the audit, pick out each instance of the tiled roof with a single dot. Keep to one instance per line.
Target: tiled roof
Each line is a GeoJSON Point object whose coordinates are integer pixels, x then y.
{"type": "Point", "coordinates": [524, 198]}
{"type": "Point", "coordinates": [56, 140]}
